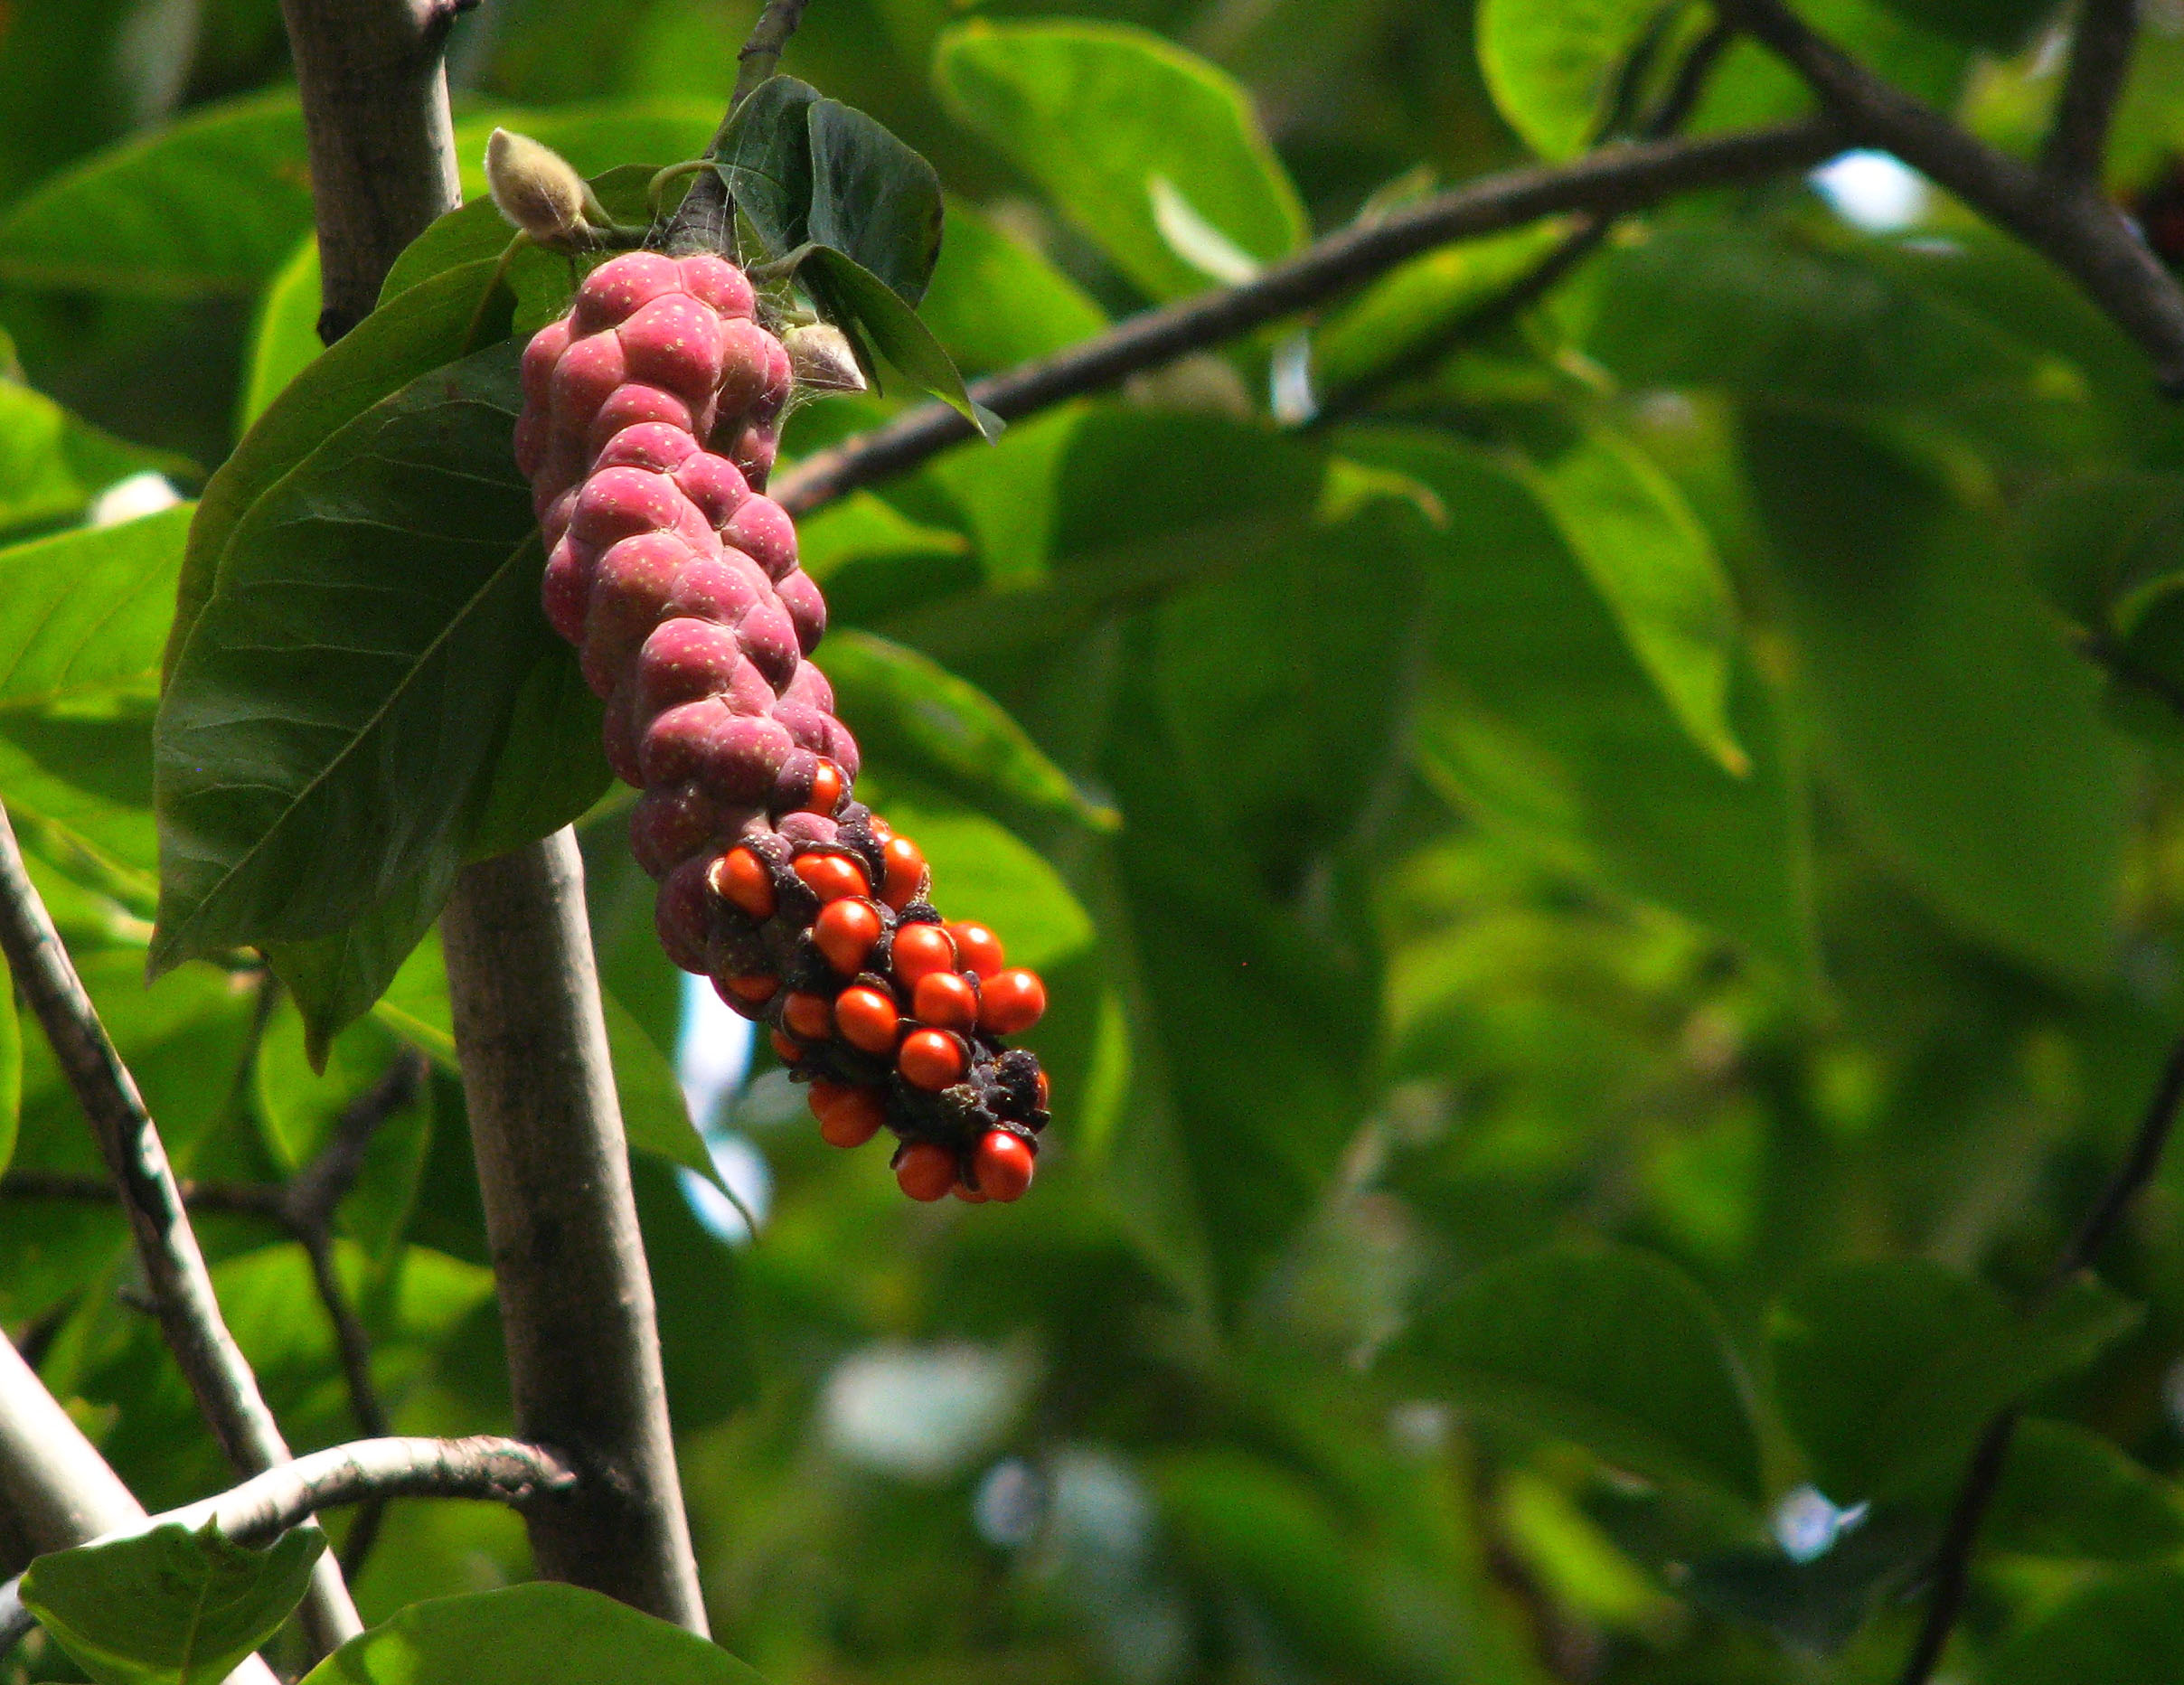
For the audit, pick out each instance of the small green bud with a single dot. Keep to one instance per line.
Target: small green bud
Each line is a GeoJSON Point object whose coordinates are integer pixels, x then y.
{"type": "Point", "coordinates": [536, 188]}
{"type": "Point", "coordinates": [820, 355]}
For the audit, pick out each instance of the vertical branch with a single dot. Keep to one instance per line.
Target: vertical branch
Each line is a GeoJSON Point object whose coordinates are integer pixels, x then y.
{"type": "Point", "coordinates": [762, 51]}
{"type": "Point", "coordinates": [188, 1313]}
{"type": "Point", "coordinates": [2100, 61]}
{"type": "Point", "coordinates": [576, 1300]}
{"type": "Point", "coordinates": [583, 1353]}
{"type": "Point", "coordinates": [54, 1485]}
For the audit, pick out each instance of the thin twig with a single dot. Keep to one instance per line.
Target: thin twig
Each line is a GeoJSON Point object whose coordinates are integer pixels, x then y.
{"type": "Point", "coordinates": [230, 1199]}
{"type": "Point", "coordinates": [2100, 62]}
{"type": "Point", "coordinates": [762, 51]}
{"type": "Point", "coordinates": [2072, 224]}
{"type": "Point", "coordinates": [484, 1467]}
{"type": "Point", "coordinates": [1622, 178]}
{"type": "Point", "coordinates": [1953, 1557]}
{"type": "Point", "coordinates": [189, 1314]}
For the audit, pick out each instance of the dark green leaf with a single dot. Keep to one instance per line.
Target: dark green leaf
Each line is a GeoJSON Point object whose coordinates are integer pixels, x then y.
{"type": "Point", "coordinates": [1155, 153]}
{"type": "Point", "coordinates": [2002, 24]}
{"type": "Point", "coordinates": [1968, 737]}
{"type": "Point", "coordinates": [853, 293]}
{"type": "Point", "coordinates": [53, 464]}
{"type": "Point", "coordinates": [1887, 1371]}
{"type": "Point", "coordinates": [1817, 1606]}
{"type": "Point", "coordinates": [337, 714]}
{"type": "Point", "coordinates": [334, 980]}
{"type": "Point", "coordinates": [542, 1634]}
{"type": "Point", "coordinates": [213, 203]}
{"type": "Point", "coordinates": [765, 161]}
{"type": "Point", "coordinates": [873, 198]}
{"type": "Point", "coordinates": [2121, 1629]}
{"type": "Point", "coordinates": [170, 1607]}
{"type": "Point", "coordinates": [1617, 1351]}
{"type": "Point", "coordinates": [2070, 1494]}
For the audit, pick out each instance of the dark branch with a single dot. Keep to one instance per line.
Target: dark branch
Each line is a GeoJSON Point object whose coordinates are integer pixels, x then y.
{"type": "Point", "coordinates": [1620, 179]}
{"type": "Point", "coordinates": [484, 1467]}
{"type": "Point", "coordinates": [321, 1185]}
{"type": "Point", "coordinates": [1953, 1557]}
{"type": "Point", "coordinates": [189, 1314]}
{"type": "Point", "coordinates": [2073, 225]}
{"type": "Point", "coordinates": [2100, 61]}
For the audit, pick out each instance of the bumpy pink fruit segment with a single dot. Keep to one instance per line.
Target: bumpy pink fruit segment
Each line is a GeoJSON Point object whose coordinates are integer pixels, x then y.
{"type": "Point", "coordinates": [652, 415]}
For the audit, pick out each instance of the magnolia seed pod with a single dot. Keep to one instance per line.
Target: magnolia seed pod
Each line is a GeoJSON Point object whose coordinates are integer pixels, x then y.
{"type": "Point", "coordinates": [822, 358]}
{"type": "Point", "coordinates": [535, 188]}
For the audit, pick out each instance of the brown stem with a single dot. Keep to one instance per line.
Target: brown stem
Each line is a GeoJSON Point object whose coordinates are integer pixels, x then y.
{"type": "Point", "coordinates": [189, 1314]}
{"type": "Point", "coordinates": [762, 50]}
{"type": "Point", "coordinates": [2100, 62]}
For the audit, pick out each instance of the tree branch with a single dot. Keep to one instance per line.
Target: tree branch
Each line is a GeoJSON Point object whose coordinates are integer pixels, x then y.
{"type": "Point", "coordinates": [762, 50]}
{"type": "Point", "coordinates": [189, 1314]}
{"type": "Point", "coordinates": [1953, 1557]}
{"type": "Point", "coordinates": [1619, 179]}
{"type": "Point", "coordinates": [554, 1169]}
{"type": "Point", "coordinates": [529, 1028]}
{"type": "Point", "coordinates": [2072, 225]}
{"type": "Point", "coordinates": [370, 1471]}
{"type": "Point", "coordinates": [56, 1486]}
{"type": "Point", "coordinates": [2100, 62]}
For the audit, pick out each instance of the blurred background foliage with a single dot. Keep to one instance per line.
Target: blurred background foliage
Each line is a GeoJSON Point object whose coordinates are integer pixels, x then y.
{"type": "Point", "coordinates": [1610, 871]}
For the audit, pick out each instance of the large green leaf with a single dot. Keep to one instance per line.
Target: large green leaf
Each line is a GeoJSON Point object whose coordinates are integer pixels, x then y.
{"type": "Point", "coordinates": [1646, 551]}
{"type": "Point", "coordinates": [541, 1634]}
{"type": "Point", "coordinates": [418, 333]}
{"type": "Point", "coordinates": [1552, 64]}
{"type": "Point", "coordinates": [2123, 1629]}
{"type": "Point", "coordinates": [1887, 1372]}
{"type": "Point", "coordinates": [1154, 153]}
{"type": "Point", "coordinates": [1539, 720]}
{"type": "Point", "coordinates": [53, 464]}
{"type": "Point", "coordinates": [914, 713]}
{"type": "Point", "coordinates": [212, 203]}
{"type": "Point", "coordinates": [334, 720]}
{"type": "Point", "coordinates": [1616, 1351]}
{"type": "Point", "coordinates": [170, 1606]}
{"type": "Point", "coordinates": [994, 302]}
{"type": "Point", "coordinates": [2070, 1494]}
{"type": "Point", "coordinates": [1967, 736]}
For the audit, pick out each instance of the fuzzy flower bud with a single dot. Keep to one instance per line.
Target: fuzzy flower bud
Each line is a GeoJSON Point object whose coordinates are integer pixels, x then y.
{"type": "Point", "coordinates": [822, 358]}
{"type": "Point", "coordinates": [535, 188]}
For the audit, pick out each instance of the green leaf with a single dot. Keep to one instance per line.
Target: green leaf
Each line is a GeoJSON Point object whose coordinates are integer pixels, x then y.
{"type": "Point", "coordinates": [873, 198]}
{"type": "Point", "coordinates": [2002, 24]}
{"type": "Point", "coordinates": [1539, 720]}
{"type": "Point", "coordinates": [170, 1606]}
{"type": "Point", "coordinates": [214, 202]}
{"type": "Point", "coordinates": [1751, 85]}
{"type": "Point", "coordinates": [1814, 1606]}
{"type": "Point", "coordinates": [337, 714]}
{"type": "Point", "coordinates": [1887, 1372]}
{"type": "Point", "coordinates": [994, 302]}
{"type": "Point", "coordinates": [11, 1077]}
{"type": "Point", "coordinates": [1552, 65]}
{"type": "Point", "coordinates": [1967, 736]}
{"type": "Point", "coordinates": [1099, 116]}
{"type": "Point", "coordinates": [655, 1114]}
{"type": "Point", "coordinates": [335, 980]}
{"type": "Point", "coordinates": [394, 345]}
{"type": "Point", "coordinates": [913, 712]}
{"type": "Point", "coordinates": [83, 614]}
{"type": "Point", "coordinates": [765, 161]}
{"type": "Point", "coordinates": [53, 464]}
{"type": "Point", "coordinates": [2123, 1629]}
{"type": "Point", "coordinates": [539, 1634]}
{"type": "Point", "coordinates": [2070, 1494]}
{"type": "Point", "coordinates": [1654, 563]}
{"type": "Point", "coordinates": [285, 341]}
{"type": "Point", "coordinates": [1615, 1349]}
{"type": "Point", "coordinates": [853, 293]}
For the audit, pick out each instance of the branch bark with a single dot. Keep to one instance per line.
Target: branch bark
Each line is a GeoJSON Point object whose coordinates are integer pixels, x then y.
{"type": "Point", "coordinates": [189, 1314]}
{"type": "Point", "coordinates": [2070, 223]}
{"type": "Point", "coordinates": [576, 1300]}
{"type": "Point", "coordinates": [56, 1486]}
{"type": "Point", "coordinates": [2100, 62]}
{"type": "Point", "coordinates": [1612, 181]}
{"type": "Point", "coordinates": [368, 1471]}
{"type": "Point", "coordinates": [576, 1303]}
